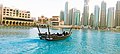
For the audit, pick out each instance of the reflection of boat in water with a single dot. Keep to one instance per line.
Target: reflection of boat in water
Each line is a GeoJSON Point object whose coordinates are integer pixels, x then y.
{"type": "Point", "coordinates": [54, 36]}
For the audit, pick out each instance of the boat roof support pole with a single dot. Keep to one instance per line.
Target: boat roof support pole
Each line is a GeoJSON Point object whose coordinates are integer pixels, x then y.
{"type": "Point", "coordinates": [48, 30]}
{"type": "Point", "coordinates": [38, 29]}
{"type": "Point", "coordinates": [70, 29]}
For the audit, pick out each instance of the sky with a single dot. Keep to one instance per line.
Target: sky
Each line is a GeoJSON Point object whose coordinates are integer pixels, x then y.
{"type": "Point", "coordinates": [51, 8]}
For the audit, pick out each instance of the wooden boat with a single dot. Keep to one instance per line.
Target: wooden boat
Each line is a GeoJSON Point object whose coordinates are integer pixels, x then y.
{"type": "Point", "coordinates": [52, 37]}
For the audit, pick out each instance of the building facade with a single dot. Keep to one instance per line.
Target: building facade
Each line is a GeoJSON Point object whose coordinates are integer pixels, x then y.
{"type": "Point", "coordinates": [72, 18]}
{"type": "Point", "coordinates": [66, 15]}
{"type": "Point", "coordinates": [110, 18]}
{"type": "Point", "coordinates": [42, 20]}
{"type": "Point", "coordinates": [62, 15]}
{"type": "Point", "coordinates": [82, 20]}
{"type": "Point", "coordinates": [77, 18]}
{"type": "Point", "coordinates": [91, 20]}
{"type": "Point", "coordinates": [117, 14]}
{"type": "Point", "coordinates": [55, 21]}
{"type": "Point", "coordinates": [103, 14]}
{"type": "Point", "coordinates": [15, 17]}
{"type": "Point", "coordinates": [86, 13]}
{"type": "Point", "coordinates": [96, 16]}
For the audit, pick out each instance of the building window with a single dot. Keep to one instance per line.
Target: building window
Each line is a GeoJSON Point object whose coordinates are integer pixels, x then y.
{"type": "Point", "coordinates": [28, 14]}
{"type": "Point", "coordinates": [10, 13]}
{"type": "Point", "coordinates": [7, 12]}
{"type": "Point", "coordinates": [17, 12]}
{"type": "Point", "coordinates": [3, 22]}
{"type": "Point", "coordinates": [14, 11]}
{"type": "Point", "coordinates": [10, 9]}
{"type": "Point", "coordinates": [7, 9]}
{"type": "Point", "coordinates": [20, 13]}
{"type": "Point", "coordinates": [3, 12]}
{"type": "Point", "coordinates": [23, 16]}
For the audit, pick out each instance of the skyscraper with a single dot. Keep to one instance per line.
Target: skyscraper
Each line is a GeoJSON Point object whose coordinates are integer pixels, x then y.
{"type": "Point", "coordinates": [77, 17]}
{"type": "Point", "coordinates": [91, 20]}
{"type": "Point", "coordinates": [72, 16]}
{"type": "Point", "coordinates": [96, 16]}
{"type": "Point", "coordinates": [66, 18]}
{"type": "Point", "coordinates": [86, 12]}
{"type": "Point", "coordinates": [62, 15]}
{"type": "Point", "coordinates": [110, 17]}
{"type": "Point", "coordinates": [103, 15]}
{"type": "Point", "coordinates": [117, 14]}
{"type": "Point", "coordinates": [82, 19]}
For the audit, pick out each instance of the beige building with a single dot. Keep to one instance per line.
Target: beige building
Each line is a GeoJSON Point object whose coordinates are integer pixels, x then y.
{"type": "Point", "coordinates": [15, 17]}
{"type": "Point", "coordinates": [42, 20]}
{"type": "Point", "coordinates": [55, 21]}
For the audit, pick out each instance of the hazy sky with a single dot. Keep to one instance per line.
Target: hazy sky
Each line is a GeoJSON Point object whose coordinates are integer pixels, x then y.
{"type": "Point", "coordinates": [52, 7]}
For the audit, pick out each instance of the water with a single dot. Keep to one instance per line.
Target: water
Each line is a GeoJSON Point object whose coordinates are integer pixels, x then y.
{"type": "Point", "coordinates": [24, 40]}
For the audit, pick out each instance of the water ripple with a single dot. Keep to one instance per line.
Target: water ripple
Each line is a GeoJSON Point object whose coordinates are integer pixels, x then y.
{"type": "Point", "coordinates": [25, 41]}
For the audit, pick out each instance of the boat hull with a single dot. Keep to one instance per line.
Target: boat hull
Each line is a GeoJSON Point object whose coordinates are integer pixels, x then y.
{"type": "Point", "coordinates": [53, 37]}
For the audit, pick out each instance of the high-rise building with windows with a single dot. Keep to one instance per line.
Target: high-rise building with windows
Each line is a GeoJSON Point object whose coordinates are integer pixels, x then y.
{"type": "Point", "coordinates": [77, 17]}
{"type": "Point", "coordinates": [117, 14]}
{"type": "Point", "coordinates": [62, 15]}
{"type": "Point", "coordinates": [96, 16]}
{"type": "Point", "coordinates": [82, 19]}
{"type": "Point", "coordinates": [86, 12]}
{"type": "Point", "coordinates": [110, 17]}
{"type": "Point", "coordinates": [72, 16]}
{"type": "Point", "coordinates": [66, 18]}
{"type": "Point", "coordinates": [103, 14]}
{"type": "Point", "coordinates": [91, 19]}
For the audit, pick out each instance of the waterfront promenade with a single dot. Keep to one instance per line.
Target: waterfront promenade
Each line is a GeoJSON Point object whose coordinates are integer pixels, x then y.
{"type": "Point", "coordinates": [67, 26]}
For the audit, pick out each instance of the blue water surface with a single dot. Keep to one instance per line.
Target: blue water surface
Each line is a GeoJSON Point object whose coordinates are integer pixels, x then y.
{"type": "Point", "coordinates": [25, 40]}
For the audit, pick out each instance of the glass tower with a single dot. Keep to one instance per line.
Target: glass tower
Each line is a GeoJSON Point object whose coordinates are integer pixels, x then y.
{"type": "Point", "coordinates": [117, 14]}
{"type": "Point", "coordinates": [62, 15]}
{"type": "Point", "coordinates": [77, 17]}
{"type": "Point", "coordinates": [91, 20]}
{"type": "Point", "coordinates": [86, 12]}
{"type": "Point", "coordinates": [96, 16]}
{"type": "Point", "coordinates": [103, 15]}
{"type": "Point", "coordinates": [66, 18]}
{"type": "Point", "coordinates": [72, 16]}
{"type": "Point", "coordinates": [110, 17]}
